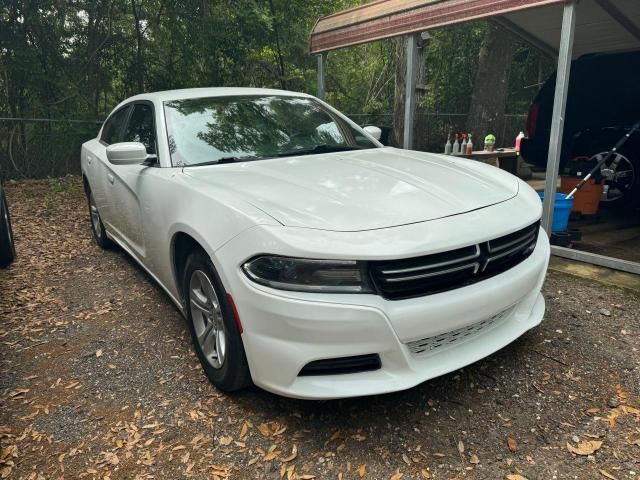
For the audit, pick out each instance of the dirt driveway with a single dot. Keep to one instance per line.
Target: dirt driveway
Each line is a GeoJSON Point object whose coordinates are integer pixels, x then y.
{"type": "Point", "coordinates": [98, 380]}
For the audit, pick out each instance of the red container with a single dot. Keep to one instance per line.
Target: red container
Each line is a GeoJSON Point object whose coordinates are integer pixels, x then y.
{"type": "Point", "coordinates": [586, 200]}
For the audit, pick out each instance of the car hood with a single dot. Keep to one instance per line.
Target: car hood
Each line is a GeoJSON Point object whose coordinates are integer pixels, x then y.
{"type": "Point", "coordinates": [361, 190]}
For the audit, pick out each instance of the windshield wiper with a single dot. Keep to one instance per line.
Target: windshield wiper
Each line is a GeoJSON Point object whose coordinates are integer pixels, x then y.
{"type": "Point", "coordinates": [218, 161]}
{"type": "Point", "coordinates": [324, 148]}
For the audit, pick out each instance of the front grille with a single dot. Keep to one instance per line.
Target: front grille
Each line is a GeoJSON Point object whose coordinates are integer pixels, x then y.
{"type": "Point", "coordinates": [338, 366]}
{"type": "Point", "coordinates": [415, 277]}
{"type": "Point", "coordinates": [440, 342]}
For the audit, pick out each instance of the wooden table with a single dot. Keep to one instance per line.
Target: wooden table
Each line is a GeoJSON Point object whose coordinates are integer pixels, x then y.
{"type": "Point", "coordinates": [504, 158]}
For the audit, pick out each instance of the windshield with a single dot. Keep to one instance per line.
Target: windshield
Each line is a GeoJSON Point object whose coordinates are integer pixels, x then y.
{"type": "Point", "coordinates": [242, 128]}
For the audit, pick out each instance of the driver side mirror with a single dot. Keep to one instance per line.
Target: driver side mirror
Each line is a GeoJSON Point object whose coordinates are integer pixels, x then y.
{"type": "Point", "coordinates": [374, 131]}
{"type": "Point", "coordinates": [127, 153]}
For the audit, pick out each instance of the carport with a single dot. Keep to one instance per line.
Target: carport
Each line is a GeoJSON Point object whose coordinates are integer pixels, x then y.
{"type": "Point", "coordinates": [565, 29]}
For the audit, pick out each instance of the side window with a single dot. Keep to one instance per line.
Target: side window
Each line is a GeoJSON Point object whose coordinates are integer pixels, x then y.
{"type": "Point", "coordinates": [141, 127]}
{"type": "Point", "coordinates": [113, 127]}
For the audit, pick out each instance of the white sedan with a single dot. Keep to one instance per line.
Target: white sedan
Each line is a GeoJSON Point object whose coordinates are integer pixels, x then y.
{"type": "Point", "coordinates": [307, 258]}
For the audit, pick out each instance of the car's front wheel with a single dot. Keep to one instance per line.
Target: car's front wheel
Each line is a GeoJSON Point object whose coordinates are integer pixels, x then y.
{"type": "Point", "coordinates": [7, 247]}
{"type": "Point", "coordinates": [214, 330]}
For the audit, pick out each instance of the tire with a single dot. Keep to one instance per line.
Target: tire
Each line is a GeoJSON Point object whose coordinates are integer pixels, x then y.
{"type": "Point", "coordinates": [97, 227]}
{"type": "Point", "coordinates": [7, 246]}
{"type": "Point", "coordinates": [210, 317]}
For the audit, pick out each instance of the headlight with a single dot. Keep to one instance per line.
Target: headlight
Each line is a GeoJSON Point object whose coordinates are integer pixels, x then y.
{"type": "Point", "coordinates": [308, 275]}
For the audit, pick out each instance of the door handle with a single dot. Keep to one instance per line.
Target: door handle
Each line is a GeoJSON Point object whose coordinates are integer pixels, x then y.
{"type": "Point", "coordinates": [110, 178]}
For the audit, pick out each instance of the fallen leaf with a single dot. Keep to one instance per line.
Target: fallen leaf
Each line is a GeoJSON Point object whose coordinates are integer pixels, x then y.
{"type": "Point", "coordinates": [604, 473]}
{"type": "Point", "coordinates": [18, 392]}
{"type": "Point", "coordinates": [425, 473]}
{"type": "Point", "coordinates": [98, 353]}
{"type": "Point", "coordinates": [460, 446]}
{"type": "Point", "coordinates": [294, 454]}
{"type": "Point", "coordinates": [362, 469]}
{"type": "Point", "coordinates": [512, 444]}
{"type": "Point", "coordinates": [271, 455]}
{"type": "Point", "coordinates": [474, 459]}
{"type": "Point", "coordinates": [585, 448]}
{"type": "Point", "coordinates": [244, 430]}
{"type": "Point", "coordinates": [225, 440]}
{"type": "Point", "coordinates": [515, 476]}
{"type": "Point", "coordinates": [396, 476]}
{"type": "Point", "coordinates": [264, 429]}
{"type": "Point", "coordinates": [621, 393]}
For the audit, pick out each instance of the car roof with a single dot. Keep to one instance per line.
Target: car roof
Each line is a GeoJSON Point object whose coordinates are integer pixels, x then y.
{"type": "Point", "coordinates": [169, 95]}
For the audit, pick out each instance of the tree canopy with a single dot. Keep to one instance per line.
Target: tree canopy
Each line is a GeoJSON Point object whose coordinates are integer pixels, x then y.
{"type": "Point", "coordinates": [76, 59]}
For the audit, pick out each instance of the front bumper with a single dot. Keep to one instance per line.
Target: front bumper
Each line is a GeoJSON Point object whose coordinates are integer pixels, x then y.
{"type": "Point", "coordinates": [284, 331]}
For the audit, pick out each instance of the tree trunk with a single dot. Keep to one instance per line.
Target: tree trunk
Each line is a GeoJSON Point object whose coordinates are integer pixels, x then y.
{"type": "Point", "coordinates": [139, 53]}
{"type": "Point", "coordinates": [491, 86]}
{"type": "Point", "coordinates": [276, 32]}
{"type": "Point", "coordinates": [401, 86]}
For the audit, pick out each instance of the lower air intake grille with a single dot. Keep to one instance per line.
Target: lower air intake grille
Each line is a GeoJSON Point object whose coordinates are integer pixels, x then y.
{"type": "Point", "coordinates": [441, 342]}
{"type": "Point", "coordinates": [419, 276]}
{"type": "Point", "coordinates": [337, 366]}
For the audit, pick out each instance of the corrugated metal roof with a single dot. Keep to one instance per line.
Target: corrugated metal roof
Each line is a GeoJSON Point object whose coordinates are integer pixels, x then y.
{"type": "Point", "coordinates": [390, 18]}
{"type": "Point", "coordinates": [603, 25]}
{"type": "Point", "coordinates": [597, 30]}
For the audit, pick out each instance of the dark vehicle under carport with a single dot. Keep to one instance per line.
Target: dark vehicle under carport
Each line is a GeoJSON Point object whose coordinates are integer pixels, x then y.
{"type": "Point", "coordinates": [603, 102]}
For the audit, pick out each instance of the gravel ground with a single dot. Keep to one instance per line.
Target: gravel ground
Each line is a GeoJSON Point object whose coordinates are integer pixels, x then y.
{"type": "Point", "coordinates": [98, 380]}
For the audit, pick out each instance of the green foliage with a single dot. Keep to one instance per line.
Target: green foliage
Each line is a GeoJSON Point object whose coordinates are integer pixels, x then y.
{"type": "Point", "coordinates": [78, 59]}
{"type": "Point", "coordinates": [63, 59]}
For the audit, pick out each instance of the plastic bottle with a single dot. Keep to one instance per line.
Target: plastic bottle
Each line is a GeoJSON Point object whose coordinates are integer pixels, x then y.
{"type": "Point", "coordinates": [463, 147]}
{"type": "Point", "coordinates": [519, 141]}
{"type": "Point", "coordinates": [469, 146]}
{"type": "Point", "coordinates": [456, 145]}
{"type": "Point", "coordinates": [447, 146]}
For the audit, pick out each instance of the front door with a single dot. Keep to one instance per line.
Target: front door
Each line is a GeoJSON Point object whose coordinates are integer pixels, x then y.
{"type": "Point", "coordinates": [128, 181]}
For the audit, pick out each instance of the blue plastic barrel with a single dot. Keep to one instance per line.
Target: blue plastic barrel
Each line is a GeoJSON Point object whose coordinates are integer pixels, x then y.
{"type": "Point", "coordinates": [561, 212]}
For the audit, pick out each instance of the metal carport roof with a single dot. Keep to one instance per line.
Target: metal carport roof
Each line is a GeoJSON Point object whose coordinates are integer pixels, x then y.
{"type": "Point", "coordinates": [603, 25]}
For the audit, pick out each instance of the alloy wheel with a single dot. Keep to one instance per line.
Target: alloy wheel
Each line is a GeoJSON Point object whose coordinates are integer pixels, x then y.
{"type": "Point", "coordinates": [619, 172]}
{"type": "Point", "coordinates": [206, 315]}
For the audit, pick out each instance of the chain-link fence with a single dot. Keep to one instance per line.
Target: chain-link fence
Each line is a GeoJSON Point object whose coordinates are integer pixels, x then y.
{"type": "Point", "coordinates": [39, 148]}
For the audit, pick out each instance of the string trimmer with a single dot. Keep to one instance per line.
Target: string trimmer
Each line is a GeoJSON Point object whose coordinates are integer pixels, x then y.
{"type": "Point", "coordinates": [598, 165]}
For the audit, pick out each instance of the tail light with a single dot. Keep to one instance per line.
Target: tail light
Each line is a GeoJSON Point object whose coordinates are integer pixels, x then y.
{"type": "Point", "coordinates": [532, 119]}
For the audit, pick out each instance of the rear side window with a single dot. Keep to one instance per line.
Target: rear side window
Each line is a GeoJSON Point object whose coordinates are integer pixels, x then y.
{"type": "Point", "coordinates": [141, 127]}
{"type": "Point", "coordinates": [113, 127]}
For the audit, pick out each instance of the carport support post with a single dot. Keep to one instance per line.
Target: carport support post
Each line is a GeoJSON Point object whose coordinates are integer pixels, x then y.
{"type": "Point", "coordinates": [322, 72]}
{"type": "Point", "coordinates": [559, 107]}
{"type": "Point", "coordinates": [410, 92]}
